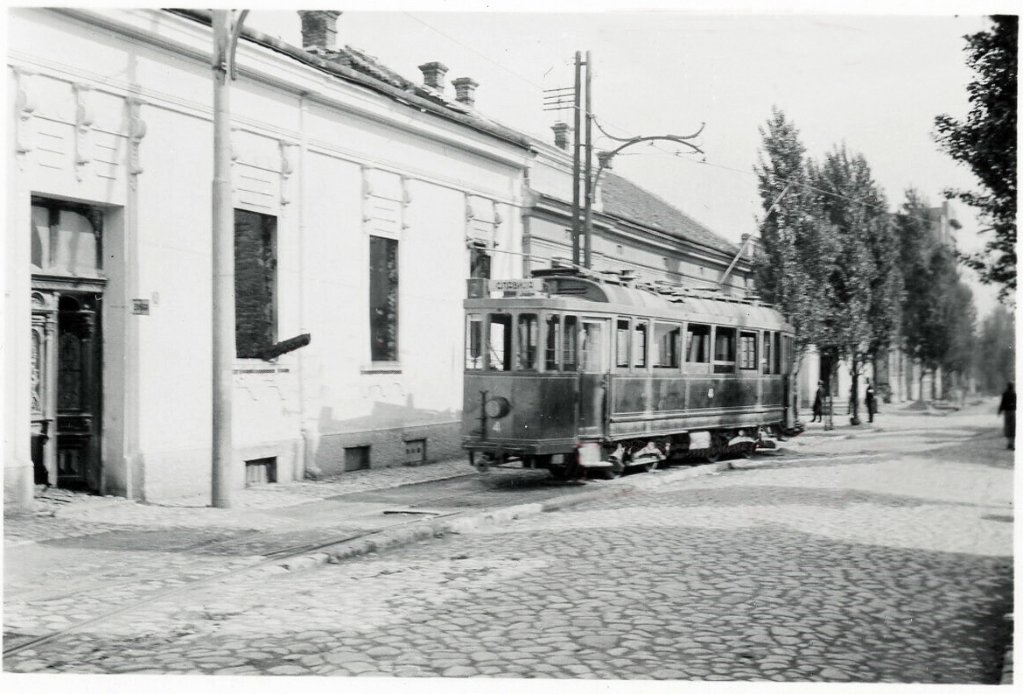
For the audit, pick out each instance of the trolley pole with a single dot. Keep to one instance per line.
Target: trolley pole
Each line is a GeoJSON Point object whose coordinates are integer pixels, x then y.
{"type": "Point", "coordinates": [226, 28]}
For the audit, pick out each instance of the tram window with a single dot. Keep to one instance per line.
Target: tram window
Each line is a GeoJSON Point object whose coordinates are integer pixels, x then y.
{"type": "Point", "coordinates": [777, 353]}
{"type": "Point", "coordinates": [697, 339]}
{"type": "Point", "coordinates": [622, 345]}
{"type": "Point", "coordinates": [748, 351]}
{"type": "Point", "coordinates": [553, 341]}
{"type": "Point", "coordinates": [528, 339]}
{"type": "Point", "coordinates": [724, 350]}
{"type": "Point", "coordinates": [639, 344]}
{"type": "Point", "coordinates": [768, 336]}
{"type": "Point", "coordinates": [473, 343]}
{"type": "Point", "coordinates": [592, 348]}
{"type": "Point", "coordinates": [666, 352]}
{"type": "Point", "coordinates": [500, 342]}
{"type": "Point", "coordinates": [570, 336]}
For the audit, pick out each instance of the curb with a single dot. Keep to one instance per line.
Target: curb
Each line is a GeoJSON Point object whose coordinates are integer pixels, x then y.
{"type": "Point", "coordinates": [391, 538]}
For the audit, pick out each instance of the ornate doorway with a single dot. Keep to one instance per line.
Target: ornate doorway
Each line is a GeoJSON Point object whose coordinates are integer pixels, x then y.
{"type": "Point", "coordinates": [66, 378]}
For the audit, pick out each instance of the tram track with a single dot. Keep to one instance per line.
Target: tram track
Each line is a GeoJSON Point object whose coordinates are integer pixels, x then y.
{"type": "Point", "coordinates": [425, 509]}
{"type": "Point", "coordinates": [270, 559]}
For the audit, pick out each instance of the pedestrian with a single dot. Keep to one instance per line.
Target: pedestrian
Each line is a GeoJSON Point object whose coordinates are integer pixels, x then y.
{"type": "Point", "coordinates": [1008, 410]}
{"type": "Point", "coordinates": [818, 403]}
{"type": "Point", "coordinates": [870, 401]}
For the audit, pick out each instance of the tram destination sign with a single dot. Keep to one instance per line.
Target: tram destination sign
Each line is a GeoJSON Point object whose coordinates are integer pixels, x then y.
{"type": "Point", "coordinates": [517, 287]}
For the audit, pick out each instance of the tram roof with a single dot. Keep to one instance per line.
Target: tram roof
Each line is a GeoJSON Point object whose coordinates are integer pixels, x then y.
{"type": "Point", "coordinates": [580, 293]}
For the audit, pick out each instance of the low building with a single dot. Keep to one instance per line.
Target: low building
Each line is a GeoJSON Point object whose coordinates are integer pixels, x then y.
{"type": "Point", "coordinates": [362, 200]}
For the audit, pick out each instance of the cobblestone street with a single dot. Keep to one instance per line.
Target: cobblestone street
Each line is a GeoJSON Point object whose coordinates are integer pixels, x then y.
{"type": "Point", "coordinates": [890, 567]}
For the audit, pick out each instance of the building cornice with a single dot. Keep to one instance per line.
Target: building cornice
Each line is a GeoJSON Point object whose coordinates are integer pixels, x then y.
{"type": "Point", "coordinates": [272, 62]}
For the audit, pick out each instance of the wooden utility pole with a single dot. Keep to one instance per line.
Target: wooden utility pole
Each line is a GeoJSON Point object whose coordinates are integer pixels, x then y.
{"type": "Point", "coordinates": [588, 170]}
{"type": "Point", "coordinates": [577, 114]}
{"type": "Point", "coordinates": [227, 26]}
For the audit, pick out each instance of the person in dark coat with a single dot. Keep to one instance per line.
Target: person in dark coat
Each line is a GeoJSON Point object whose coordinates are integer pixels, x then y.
{"type": "Point", "coordinates": [1008, 409]}
{"type": "Point", "coordinates": [818, 403]}
{"type": "Point", "coordinates": [871, 401]}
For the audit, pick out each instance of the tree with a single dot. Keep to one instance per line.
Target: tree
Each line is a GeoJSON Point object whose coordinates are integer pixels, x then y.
{"type": "Point", "coordinates": [938, 315]}
{"type": "Point", "coordinates": [996, 352]}
{"type": "Point", "coordinates": [986, 142]}
{"type": "Point", "coordinates": [791, 270]}
{"type": "Point", "coordinates": [865, 284]}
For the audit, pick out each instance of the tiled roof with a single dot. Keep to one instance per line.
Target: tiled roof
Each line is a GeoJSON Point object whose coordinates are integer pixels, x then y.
{"type": "Point", "coordinates": [628, 201]}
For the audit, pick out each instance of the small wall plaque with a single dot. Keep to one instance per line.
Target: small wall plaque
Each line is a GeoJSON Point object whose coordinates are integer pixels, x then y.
{"type": "Point", "coordinates": [140, 307]}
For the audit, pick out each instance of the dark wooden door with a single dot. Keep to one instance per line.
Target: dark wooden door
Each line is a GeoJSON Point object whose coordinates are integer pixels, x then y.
{"type": "Point", "coordinates": [78, 391]}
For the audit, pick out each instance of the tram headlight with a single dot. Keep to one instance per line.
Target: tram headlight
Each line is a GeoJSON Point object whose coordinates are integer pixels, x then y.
{"type": "Point", "coordinates": [497, 407]}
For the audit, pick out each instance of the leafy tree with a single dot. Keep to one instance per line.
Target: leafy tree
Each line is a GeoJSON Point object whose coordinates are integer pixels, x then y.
{"type": "Point", "coordinates": [961, 323]}
{"type": "Point", "coordinates": [865, 284]}
{"type": "Point", "coordinates": [791, 270]}
{"type": "Point", "coordinates": [986, 142]}
{"type": "Point", "coordinates": [996, 351]}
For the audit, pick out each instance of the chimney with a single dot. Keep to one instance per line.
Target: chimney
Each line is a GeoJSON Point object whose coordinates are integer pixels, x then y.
{"type": "Point", "coordinates": [465, 90]}
{"type": "Point", "coordinates": [604, 160]}
{"type": "Point", "coordinates": [560, 135]}
{"type": "Point", "coordinates": [319, 29]}
{"type": "Point", "coordinates": [433, 74]}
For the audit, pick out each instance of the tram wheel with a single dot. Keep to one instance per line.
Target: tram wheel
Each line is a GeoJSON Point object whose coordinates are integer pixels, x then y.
{"type": "Point", "coordinates": [559, 472]}
{"type": "Point", "coordinates": [714, 454]}
{"type": "Point", "coordinates": [747, 450]}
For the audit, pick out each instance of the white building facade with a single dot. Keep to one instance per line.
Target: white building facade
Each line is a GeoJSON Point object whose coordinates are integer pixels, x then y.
{"type": "Point", "coordinates": [355, 206]}
{"type": "Point", "coordinates": [362, 203]}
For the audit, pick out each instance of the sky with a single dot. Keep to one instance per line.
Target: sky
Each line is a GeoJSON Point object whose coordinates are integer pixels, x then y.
{"type": "Point", "coordinates": [873, 82]}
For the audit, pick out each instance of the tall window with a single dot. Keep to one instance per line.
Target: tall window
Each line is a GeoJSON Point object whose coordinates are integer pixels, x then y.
{"type": "Point", "coordinates": [474, 342]}
{"type": "Point", "coordinates": [479, 262]}
{"type": "Point", "coordinates": [553, 342]}
{"type": "Point", "coordinates": [724, 350]}
{"type": "Point", "coordinates": [255, 282]}
{"type": "Point", "coordinates": [499, 341]}
{"type": "Point", "coordinates": [529, 330]}
{"type": "Point", "coordinates": [639, 344]}
{"type": "Point", "coordinates": [666, 345]}
{"type": "Point", "coordinates": [747, 350]}
{"type": "Point", "coordinates": [622, 344]}
{"type": "Point", "coordinates": [767, 352]}
{"type": "Point", "coordinates": [568, 359]}
{"type": "Point", "coordinates": [383, 298]}
{"type": "Point", "coordinates": [697, 343]}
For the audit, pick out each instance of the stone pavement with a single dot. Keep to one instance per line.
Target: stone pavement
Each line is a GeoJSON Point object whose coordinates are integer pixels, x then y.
{"type": "Point", "coordinates": [426, 589]}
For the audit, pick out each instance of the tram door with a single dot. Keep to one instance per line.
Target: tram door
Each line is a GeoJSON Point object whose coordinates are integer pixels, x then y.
{"type": "Point", "coordinates": [594, 365]}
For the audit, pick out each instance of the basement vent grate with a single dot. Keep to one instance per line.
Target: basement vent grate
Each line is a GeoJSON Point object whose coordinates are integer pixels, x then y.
{"type": "Point", "coordinates": [260, 471]}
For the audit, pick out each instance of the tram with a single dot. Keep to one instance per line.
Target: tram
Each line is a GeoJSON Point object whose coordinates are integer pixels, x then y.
{"type": "Point", "coordinates": [583, 372]}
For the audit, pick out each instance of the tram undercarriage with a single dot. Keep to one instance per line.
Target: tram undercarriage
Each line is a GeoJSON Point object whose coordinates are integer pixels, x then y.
{"type": "Point", "coordinates": [611, 459]}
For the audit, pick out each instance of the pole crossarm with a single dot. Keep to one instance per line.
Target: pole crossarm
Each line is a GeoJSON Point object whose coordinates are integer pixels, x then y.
{"type": "Point", "coordinates": [679, 139]}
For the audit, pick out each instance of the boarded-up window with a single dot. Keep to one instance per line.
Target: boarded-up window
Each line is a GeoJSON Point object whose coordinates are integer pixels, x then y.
{"type": "Point", "coordinates": [383, 298]}
{"type": "Point", "coordinates": [255, 282]}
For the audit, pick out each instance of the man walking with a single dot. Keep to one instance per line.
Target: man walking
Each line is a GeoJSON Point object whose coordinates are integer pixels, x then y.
{"type": "Point", "coordinates": [818, 403]}
{"type": "Point", "coordinates": [1008, 409]}
{"type": "Point", "coordinates": [870, 401]}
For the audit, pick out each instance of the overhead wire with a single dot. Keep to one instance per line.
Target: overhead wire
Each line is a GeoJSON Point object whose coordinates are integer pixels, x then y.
{"type": "Point", "coordinates": [677, 154]}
